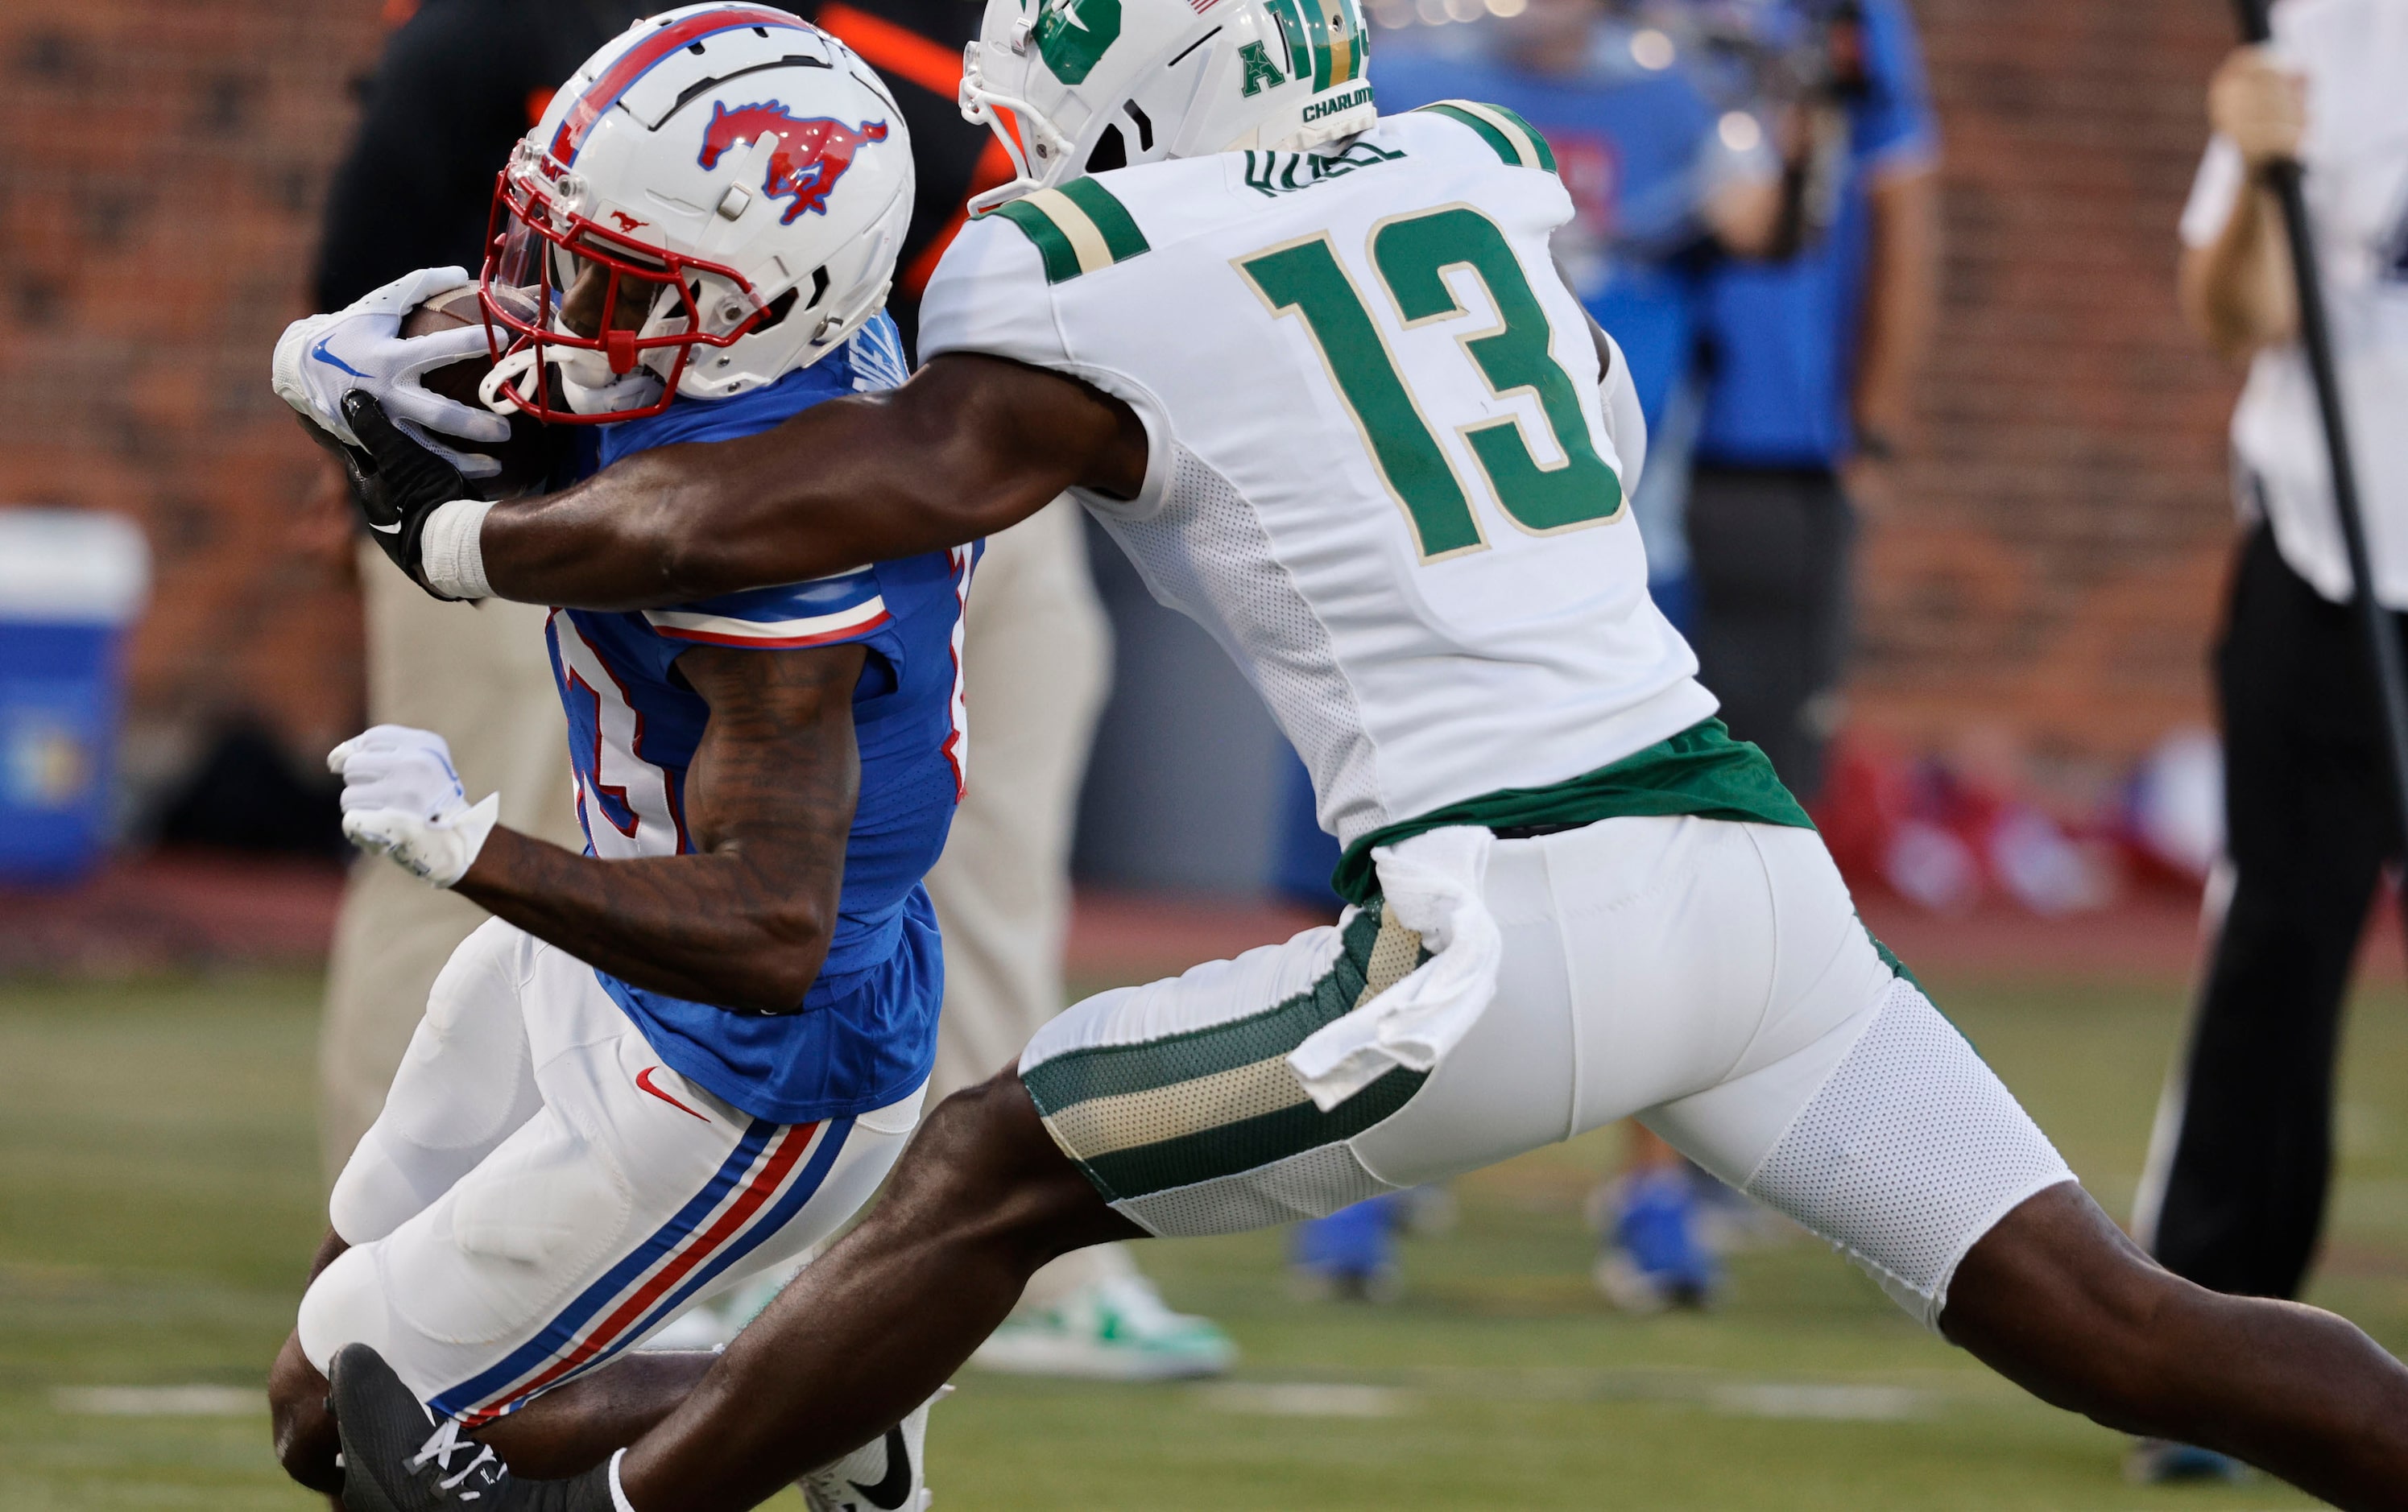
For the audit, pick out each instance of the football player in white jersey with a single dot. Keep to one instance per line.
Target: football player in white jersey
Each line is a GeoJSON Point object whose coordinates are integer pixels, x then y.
{"type": "Point", "coordinates": [1313, 369]}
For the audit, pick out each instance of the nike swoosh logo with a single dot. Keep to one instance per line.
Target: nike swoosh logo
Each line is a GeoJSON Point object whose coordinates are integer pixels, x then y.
{"type": "Point", "coordinates": [320, 352]}
{"type": "Point", "coordinates": [891, 1492]}
{"type": "Point", "coordinates": [394, 529]}
{"type": "Point", "coordinates": [644, 1083]}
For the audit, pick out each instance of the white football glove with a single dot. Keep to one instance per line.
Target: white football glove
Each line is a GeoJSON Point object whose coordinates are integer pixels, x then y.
{"type": "Point", "coordinates": [402, 799]}
{"type": "Point", "coordinates": [321, 359]}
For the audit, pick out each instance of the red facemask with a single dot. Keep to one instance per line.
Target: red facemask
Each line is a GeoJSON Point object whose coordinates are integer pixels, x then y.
{"type": "Point", "coordinates": [551, 273]}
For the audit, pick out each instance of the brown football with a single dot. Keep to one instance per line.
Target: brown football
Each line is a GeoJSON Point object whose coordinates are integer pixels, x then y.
{"type": "Point", "coordinates": [526, 456]}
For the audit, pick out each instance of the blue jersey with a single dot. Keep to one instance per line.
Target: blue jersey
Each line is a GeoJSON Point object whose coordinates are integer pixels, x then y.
{"type": "Point", "coordinates": [1784, 333]}
{"type": "Point", "coordinates": [865, 1033]}
{"type": "Point", "coordinates": [1636, 149]}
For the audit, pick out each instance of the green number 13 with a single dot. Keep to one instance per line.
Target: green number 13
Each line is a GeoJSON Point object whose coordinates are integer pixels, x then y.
{"type": "Point", "coordinates": [1413, 254]}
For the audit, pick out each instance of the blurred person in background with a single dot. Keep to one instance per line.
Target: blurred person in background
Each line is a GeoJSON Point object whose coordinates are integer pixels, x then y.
{"type": "Point", "coordinates": [1812, 353]}
{"type": "Point", "coordinates": [2233, 1197]}
{"type": "Point", "coordinates": [1662, 142]}
{"type": "Point", "coordinates": [460, 82]}
{"type": "Point", "coordinates": [1664, 176]}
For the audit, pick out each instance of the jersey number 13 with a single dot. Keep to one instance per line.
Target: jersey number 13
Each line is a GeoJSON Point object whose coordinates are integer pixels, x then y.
{"type": "Point", "coordinates": [1413, 255]}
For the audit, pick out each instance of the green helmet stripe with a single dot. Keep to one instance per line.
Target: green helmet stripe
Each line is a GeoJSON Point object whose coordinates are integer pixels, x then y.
{"type": "Point", "coordinates": [1316, 26]}
{"type": "Point", "coordinates": [1292, 30]}
{"type": "Point", "coordinates": [1349, 47]}
{"type": "Point", "coordinates": [1335, 29]}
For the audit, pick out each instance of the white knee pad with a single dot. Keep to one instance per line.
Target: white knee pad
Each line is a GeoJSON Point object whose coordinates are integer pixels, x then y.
{"type": "Point", "coordinates": [377, 1192]}
{"type": "Point", "coordinates": [464, 1085]}
{"type": "Point", "coordinates": [1909, 1152]}
{"type": "Point", "coordinates": [345, 1305]}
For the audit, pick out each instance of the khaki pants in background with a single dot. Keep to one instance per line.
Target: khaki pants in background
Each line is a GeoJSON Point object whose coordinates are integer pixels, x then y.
{"type": "Point", "coordinates": [1037, 658]}
{"type": "Point", "coordinates": [478, 675]}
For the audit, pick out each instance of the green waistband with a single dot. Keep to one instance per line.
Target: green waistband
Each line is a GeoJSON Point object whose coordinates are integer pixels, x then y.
{"type": "Point", "coordinates": [1701, 771]}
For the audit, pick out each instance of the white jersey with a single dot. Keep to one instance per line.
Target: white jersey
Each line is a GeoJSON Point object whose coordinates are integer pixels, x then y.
{"type": "Point", "coordinates": [2355, 54]}
{"type": "Point", "coordinates": [1378, 471]}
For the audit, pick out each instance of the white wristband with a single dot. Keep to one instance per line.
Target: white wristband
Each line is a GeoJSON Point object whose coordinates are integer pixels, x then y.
{"type": "Point", "coordinates": [452, 551]}
{"type": "Point", "coordinates": [618, 1494]}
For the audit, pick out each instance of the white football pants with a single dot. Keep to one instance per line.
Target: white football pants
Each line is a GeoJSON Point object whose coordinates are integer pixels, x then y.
{"type": "Point", "coordinates": [1710, 978]}
{"type": "Point", "coordinates": [541, 1192]}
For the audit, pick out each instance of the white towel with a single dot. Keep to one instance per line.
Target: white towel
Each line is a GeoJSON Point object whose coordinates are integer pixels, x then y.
{"type": "Point", "coordinates": [1432, 883]}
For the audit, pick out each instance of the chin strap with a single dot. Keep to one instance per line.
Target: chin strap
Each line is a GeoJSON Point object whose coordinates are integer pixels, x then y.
{"type": "Point", "coordinates": [515, 368]}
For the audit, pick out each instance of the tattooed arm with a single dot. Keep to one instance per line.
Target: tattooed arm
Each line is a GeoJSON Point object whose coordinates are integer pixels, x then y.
{"type": "Point", "coordinates": [744, 921]}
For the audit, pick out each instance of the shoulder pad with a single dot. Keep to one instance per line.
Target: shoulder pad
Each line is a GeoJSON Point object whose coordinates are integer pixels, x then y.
{"type": "Point", "coordinates": [1511, 138]}
{"type": "Point", "coordinates": [1078, 228]}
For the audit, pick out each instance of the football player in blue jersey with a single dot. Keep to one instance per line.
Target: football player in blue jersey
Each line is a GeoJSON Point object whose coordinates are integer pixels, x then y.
{"type": "Point", "coordinates": [695, 1050]}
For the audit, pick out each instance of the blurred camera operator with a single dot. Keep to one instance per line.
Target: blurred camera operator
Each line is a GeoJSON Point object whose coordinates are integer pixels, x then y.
{"type": "Point", "coordinates": [2239, 1167]}
{"type": "Point", "coordinates": [1664, 173]}
{"type": "Point", "coordinates": [1813, 356]}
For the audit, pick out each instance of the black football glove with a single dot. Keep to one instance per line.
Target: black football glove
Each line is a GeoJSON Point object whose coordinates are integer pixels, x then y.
{"type": "Point", "coordinates": [359, 468]}
{"type": "Point", "coordinates": [395, 483]}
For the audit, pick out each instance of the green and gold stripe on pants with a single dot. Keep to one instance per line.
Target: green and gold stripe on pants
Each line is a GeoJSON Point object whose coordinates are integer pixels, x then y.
{"type": "Point", "coordinates": [1220, 1100]}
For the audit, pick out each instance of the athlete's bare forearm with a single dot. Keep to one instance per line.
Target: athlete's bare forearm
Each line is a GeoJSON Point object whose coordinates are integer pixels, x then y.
{"type": "Point", "coordinates": [970, 446]}
{"type": "Point", "coordinates": [711, 928]}
{"type": "Point", "coordinates": [744, 921]}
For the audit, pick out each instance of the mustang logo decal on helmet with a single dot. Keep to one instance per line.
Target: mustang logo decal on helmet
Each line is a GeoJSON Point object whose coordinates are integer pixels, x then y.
{"type": "Point", "coordinates": [813, 154]}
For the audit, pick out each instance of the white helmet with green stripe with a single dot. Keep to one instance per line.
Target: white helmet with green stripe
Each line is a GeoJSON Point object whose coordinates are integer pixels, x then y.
{"type": "Point", "coordinates": [1073, 87]}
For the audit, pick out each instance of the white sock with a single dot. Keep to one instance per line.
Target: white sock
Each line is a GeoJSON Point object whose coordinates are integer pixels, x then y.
{"type": "Point", "coordinates": [618, 1494]}
{"type": "Point", "coordinates": [452, 549]}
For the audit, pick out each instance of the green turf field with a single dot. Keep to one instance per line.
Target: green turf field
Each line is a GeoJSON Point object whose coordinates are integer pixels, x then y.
{"type": "Point", "coordinates": [158, 1197]}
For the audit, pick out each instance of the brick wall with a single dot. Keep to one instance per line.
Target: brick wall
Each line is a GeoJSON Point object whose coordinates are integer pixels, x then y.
{"type": "Point", "coordinates": [2045, 559]}
{"type": "Point", "coordinates": [161, 168]}
{"type": "Point", "coordinates": [2050, 555]}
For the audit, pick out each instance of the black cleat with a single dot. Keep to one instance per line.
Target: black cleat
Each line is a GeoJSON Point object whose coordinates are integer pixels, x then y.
{"type": "Point", "coordinates": [396, 1458]}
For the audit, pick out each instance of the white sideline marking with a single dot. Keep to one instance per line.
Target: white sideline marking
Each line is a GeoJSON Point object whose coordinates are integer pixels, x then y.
{"type": "Point", "coordinates": [1828, 1403]}
{"type": "Point", "coordinates": [1819, 1401]}
{"type": "Point", "coordinates": [160, 1401]}
{"type": "Point", "coordinates": [1308, 1399]}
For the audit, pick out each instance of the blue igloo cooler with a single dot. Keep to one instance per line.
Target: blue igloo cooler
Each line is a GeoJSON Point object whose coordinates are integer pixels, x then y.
{"type": "Point", "coordinates": [70, 583]}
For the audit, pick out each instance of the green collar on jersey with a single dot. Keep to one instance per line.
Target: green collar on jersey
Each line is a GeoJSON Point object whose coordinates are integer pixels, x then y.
{"type": "Point", "coordinates": [1701, 771]}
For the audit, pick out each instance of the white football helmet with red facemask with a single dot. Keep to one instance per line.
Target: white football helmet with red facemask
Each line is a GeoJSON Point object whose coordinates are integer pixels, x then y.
{"type": "Point", "coordinates": [1073, 87]}
{"type": "Point", "coordinates": [712, 201]}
